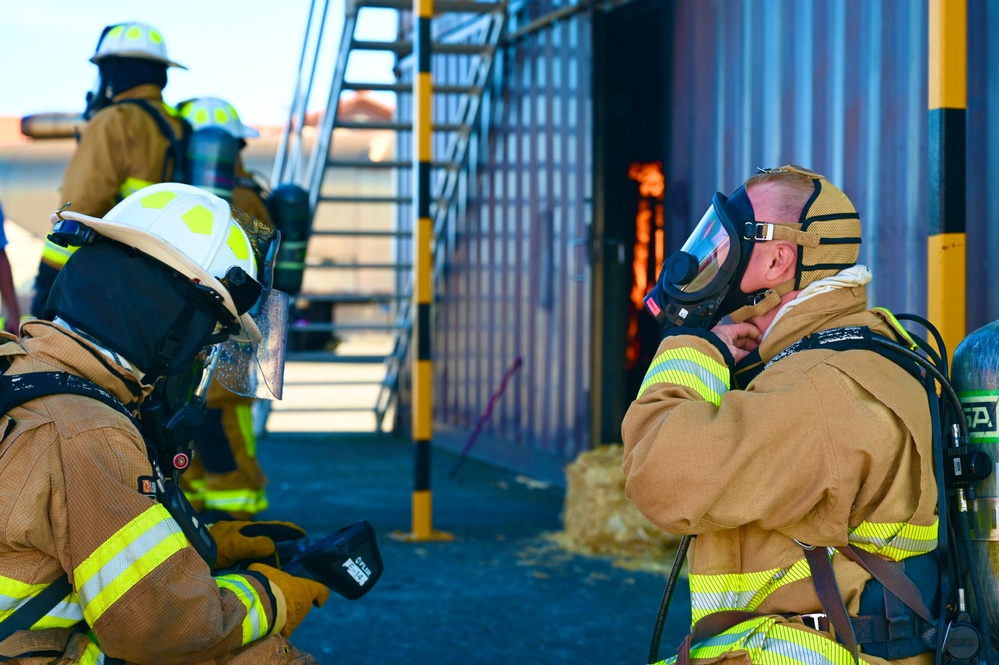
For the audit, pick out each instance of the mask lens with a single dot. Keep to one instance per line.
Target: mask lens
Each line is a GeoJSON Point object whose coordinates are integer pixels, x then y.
{"type": "Point", "coordinates": [709, 244]}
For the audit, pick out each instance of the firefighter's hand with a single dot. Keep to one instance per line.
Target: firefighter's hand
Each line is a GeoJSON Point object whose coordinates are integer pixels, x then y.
{"type": "Point", "coordinates": [247, 541]}
{"type": "Point", "coordinates": [740, 338]}
{"type": "Point", "coordinates": [300, 594]}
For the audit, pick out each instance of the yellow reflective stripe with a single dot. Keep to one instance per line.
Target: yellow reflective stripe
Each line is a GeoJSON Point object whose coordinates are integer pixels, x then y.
{"type": "Point", "coordinates": [14, 594]}
{"type": "Point", "coordinates": [195, 490]}
{"type": "Point", "coordinates": [774, 643]}
{"type": "Point", "coordinates": [896, 324]}
{"type": "Point", "coordinates": [242, 500]}
{"type": "Point", "coordinates": [255, 624]}
{"type": "Point", "coordinates": [691, 368]}
{"type": "Point", "coordinates": [768, 641]}
{"type": "Point", "coordinates": [92, 655]}
{"type": "Point", "coordinates": [56, 256]}
{"type": "Point", "coordinates": [740, 591]}
{"type": "Point", "coordinates": [132, 185]}
{"type": "Point", "coordinates": [244, 416]}
{"type": "Point", "coordinates": [897, 540]}
{"type": "Point", "coordinates": [121, 561]}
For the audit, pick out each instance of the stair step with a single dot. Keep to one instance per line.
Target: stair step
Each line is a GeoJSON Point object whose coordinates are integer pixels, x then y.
{"type": "Point", "coordinates": [353, 266]}
{"type": "Point", "coordinates": [394, 164]}
{"type": "Point", "coordinates": [350, 298]}
{"type": "Point", "coordinates": [405, 47]}
{"type": "Point", "coordinates": [360, 233]}
{"type": "Point", "coordinates": [344, 327]}
{"type": "Point", "coordinates": [332, 357]}
{"type": "Point", "coordinates": [440, 6]}
{"type": "Point", "coordinates": [324, 409]}
{"type": "Point", "coordinates": [366, 199]}
{"type": "Point", "coordinates": [395, 126]}
{"type": "Point", "coordinates": [408, 87]}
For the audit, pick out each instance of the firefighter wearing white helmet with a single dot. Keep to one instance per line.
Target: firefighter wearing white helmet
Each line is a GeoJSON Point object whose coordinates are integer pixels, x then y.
{"type": "Point", "coordinates": [161, 281]}
{"type": "Point", "coordinates": [225, 475]}
{"type": "Point", "coordinates": [132, 137]}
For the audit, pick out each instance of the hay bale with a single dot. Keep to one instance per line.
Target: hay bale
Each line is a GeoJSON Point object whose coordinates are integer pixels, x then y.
{"type": "Point", "coordinates": [599, 519]}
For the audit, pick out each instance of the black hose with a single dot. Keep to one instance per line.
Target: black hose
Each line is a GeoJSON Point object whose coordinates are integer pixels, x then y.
{"type": "Point", "coordinates": [674, 574]}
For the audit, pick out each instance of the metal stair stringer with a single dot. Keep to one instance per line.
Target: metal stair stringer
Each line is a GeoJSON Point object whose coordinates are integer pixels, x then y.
{"type": "Point", "coordinates": [443, 199]}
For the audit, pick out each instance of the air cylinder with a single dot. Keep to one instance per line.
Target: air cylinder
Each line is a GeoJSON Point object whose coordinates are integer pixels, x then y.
{"type": "Point", "coordinates": [975, 377]}
{"type": "Point", "coordinates": [289, 208]}
{"type": "Point", "coordinates": [211, 161]}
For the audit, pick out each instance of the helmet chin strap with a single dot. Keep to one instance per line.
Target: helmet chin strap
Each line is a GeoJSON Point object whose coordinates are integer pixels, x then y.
{"type": "Point", "coordinates": [767, 301]}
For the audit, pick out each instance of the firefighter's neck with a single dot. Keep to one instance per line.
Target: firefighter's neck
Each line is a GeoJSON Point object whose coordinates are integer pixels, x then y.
{"type": "Point", "coordinates": [112, 355]}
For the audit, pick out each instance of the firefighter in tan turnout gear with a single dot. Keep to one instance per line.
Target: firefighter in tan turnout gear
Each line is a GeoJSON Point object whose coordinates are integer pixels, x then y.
{"type": "Point", "coordinates": [175, 274]}
{"type": "Point", "coordinates": [225, 474]}
{"type": "Point", "coordinates": [132, 138]}
{"type": "Point", "coordinates": [812, 449]}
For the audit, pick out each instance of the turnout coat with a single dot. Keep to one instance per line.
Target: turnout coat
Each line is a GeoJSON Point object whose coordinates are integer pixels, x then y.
{"type": "Point", "coordinates": [823, 447]}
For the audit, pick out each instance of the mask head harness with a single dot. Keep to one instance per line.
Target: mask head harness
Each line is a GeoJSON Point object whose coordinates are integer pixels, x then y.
{"type": "Point", "coordinates": [700, 284]}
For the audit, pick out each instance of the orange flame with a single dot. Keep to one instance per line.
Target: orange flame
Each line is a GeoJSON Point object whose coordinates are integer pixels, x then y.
{"type": "Point", "coordinates": [651, 187]}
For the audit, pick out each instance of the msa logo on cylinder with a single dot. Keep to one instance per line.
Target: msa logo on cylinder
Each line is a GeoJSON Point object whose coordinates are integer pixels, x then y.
{"type": "Point", "coordinates": [980, 413]}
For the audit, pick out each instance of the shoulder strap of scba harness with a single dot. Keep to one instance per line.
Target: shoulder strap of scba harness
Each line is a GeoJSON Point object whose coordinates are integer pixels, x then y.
{"type": "Point", "coordinates": [898, 583]}
{"type": "Point", "coordinates": [178, 146]}
{"type": "Point", "coordinates": [18, 389]}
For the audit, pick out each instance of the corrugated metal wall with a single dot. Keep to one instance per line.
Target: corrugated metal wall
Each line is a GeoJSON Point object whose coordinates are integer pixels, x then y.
{"type": "Point", "coordinates": [516, 282]}
{"type": "Point", "coordinates": [838, 86]}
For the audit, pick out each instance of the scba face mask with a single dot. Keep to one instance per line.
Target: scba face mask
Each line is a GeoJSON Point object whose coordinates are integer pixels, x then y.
{"type": "Point", "coordinates": [699, 284]}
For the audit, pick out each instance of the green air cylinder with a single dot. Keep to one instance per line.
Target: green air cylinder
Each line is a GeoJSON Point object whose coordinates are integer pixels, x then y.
{"type": "Point", "coordinates": [975, 376]}
{"type": "Point", "coordinates": [211, 161]}
{"type": "Point", "coordinates": [289, 208]}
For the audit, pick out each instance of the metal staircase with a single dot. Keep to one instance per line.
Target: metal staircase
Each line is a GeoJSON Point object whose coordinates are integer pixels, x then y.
{"type": "Point", "coordinates": [466, 35]}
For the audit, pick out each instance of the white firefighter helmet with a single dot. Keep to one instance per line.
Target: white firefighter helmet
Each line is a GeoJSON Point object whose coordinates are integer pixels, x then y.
{"type": "Point", "coordinates": [204, 112]}
{"type": "Point", "coordinates": [197, 234]}
{"type": "Point", "coordinates": [133, 40]}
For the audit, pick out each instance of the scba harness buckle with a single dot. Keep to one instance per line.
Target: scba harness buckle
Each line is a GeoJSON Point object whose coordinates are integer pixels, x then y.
{"type": "Point", "coordinates": [816, 621]}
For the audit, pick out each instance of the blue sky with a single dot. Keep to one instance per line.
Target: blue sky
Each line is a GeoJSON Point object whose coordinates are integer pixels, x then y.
{"type": "Point", "coordinates": [245, 51]}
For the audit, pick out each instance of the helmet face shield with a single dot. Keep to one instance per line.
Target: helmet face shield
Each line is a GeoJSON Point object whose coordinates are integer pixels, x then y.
{"type": "Point", "coordinates": [257, 369]}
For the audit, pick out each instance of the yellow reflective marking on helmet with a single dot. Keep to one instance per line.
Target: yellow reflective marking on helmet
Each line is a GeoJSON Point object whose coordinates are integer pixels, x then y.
{"type": "Point", "coordinates": [232, 111]}
{"type": "Point", "coordinates": [221, 117]}
{"type": "Point", "coordinates": [135, 32]}
{"type": "Point", "coordinates": [255, 624]}
{"type": "Point", "coordinates": [157, 200]}
{"type": "Point", "coordinates": [155, 37]}
{"type": "Point", "coordinates": [201, 116]}
{"type": "Point", "coordinates": [115, 31]}
{"type": "Point", "coordinates": [199, 220]}
{"type": "Point", "coordinates": [238, 244]}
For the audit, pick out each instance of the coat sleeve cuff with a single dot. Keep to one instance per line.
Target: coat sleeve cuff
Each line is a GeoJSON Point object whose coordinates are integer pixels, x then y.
{"type": "Point", "coordinates": [709, 337]}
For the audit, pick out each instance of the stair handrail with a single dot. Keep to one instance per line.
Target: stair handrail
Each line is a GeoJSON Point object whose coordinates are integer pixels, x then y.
{"type": "Point", "coordinates": [443, 200]}
{"type": "Point", "coordinates": [288, 168]}
{"type": "Point", "coordinates": [324, 130]}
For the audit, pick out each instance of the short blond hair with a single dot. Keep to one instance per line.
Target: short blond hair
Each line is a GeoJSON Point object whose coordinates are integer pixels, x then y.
{"type": "Point", "coordinates": [794, 191]}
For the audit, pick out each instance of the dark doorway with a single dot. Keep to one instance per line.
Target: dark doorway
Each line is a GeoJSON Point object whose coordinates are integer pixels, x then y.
{"type": "Point", "coordinates": [631, 88]}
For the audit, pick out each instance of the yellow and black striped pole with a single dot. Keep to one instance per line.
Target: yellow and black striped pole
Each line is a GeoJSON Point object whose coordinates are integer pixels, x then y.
{"type": "Point", "coordinates": [423, 229]}
{"type": "Point", "coordinates": [946, 252]}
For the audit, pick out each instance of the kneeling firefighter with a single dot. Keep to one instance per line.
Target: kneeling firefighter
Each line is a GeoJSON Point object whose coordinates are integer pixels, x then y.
{"type": "Point", "coordinates": [101, 556]}
{"type": "Point", "coordinates": [802, 444]}
{"type": "Point", "coordinates": [225, 477]}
